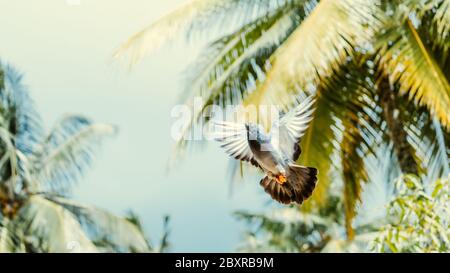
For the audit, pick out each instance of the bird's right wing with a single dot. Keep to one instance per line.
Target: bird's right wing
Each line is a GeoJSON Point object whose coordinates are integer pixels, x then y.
{"type": "Point", "coordinates": [233, 138]}
{"type": "Point", "coordinates": [292, 126]}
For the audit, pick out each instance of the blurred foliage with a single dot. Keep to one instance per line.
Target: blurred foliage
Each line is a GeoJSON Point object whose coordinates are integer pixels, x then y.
{"type": "Point", "coordinates": [164, 244]}
{"type": "Point", "coordinates": [37, 172]}
{"type": "Point", "coordinates": [419, 218]}
{"type": "Point", "coordinates": [293, 230]}
{"type": "Point", "coordinates": [416, 220]}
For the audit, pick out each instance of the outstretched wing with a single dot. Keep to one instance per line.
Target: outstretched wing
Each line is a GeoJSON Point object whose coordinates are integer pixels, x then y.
{"type": "Point", "coordinates": [233, 138]}
{"type": "Point", "coordinates": [286, 132]}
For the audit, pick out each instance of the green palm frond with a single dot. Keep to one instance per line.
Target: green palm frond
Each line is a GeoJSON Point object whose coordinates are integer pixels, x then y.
{"type": "Point", "coordinates": [317, 149]}
{"type": "Point", "coordinates": [307, 56]}
{"type": "Point", "coordinates": [6, 240]}
{"type": "Point", "coordinates": [346, 128]}
{"type": "Point", "coordinates": [109, 232]}
{"type": "Point", "coordinates": [442, 22]}
{"type": "Point", "coordinates": [405, 58]}
{"type": "Point", "coordinates": [18, 112]}
{"type": "Point", "coordinates": [191, 18]}
{"type": "Point", "coordinates": [437, 12]}
{"type": "Point", "coordinates": [20, 128]}
{"type": "Point", "coordinates": [47, 227]}
{"type": "Point", "coordinates": [228, 61]}
{"type": "Point", "coordinates": [435, 155]}
{"type": "Point", "coordinates": [286, 230]}
{"type": "Point", "coordinates": [345, 101]}
{"type": "Point", "coordinates": [68, 151]}
{"type": "Point", "coordinates": [9, 162]}
{"type": "Point", "coordinates": [430, 143]}
{"type": "Point", "coordinates": [229, 68]}
{"type": "Point", "coordinates": [165, 244]}
{"type": "Point", "coordinates": [353, 171]}
{"type": "Point", "coordinates": [2, 79]}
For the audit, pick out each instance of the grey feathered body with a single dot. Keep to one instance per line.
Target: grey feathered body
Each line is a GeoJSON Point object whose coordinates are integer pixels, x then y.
{"type": "Point", "coordinates": [275, 152]}
{"type": "Point", "coordinates": [269, 157]}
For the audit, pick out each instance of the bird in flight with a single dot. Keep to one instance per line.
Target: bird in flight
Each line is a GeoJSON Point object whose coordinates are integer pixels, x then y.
{"type": "Point", "coordinates": [275, 152]}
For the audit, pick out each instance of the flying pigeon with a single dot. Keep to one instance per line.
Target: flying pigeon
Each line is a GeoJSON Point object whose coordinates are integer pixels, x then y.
{"type": "Point", "coordinates": [275, 152]}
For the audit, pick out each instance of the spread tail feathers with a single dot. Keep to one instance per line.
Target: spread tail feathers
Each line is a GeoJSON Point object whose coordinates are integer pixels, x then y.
{"type": "Point", "coordinates": [299, 186]}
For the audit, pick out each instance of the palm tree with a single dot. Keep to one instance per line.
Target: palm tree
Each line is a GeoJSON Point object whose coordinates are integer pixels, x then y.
{"type": "Point", "coordinates": [379, 71]}
{"type": "Point", "coordinates": [37, 172]}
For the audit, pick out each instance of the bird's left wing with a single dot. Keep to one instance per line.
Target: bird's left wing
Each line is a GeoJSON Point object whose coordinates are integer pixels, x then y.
{"type": "Point", "coordinates": [233, 138]}
{"type": "Point", "coordinates": [286, 132]}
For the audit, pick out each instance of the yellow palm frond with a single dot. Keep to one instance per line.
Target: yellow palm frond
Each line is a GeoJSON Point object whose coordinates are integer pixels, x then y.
{"type": "Point", "coordinates": [193, 15]}
{"type": "Point", "coordinates": [320, 44]}
{"type": "Point", "coordinates": [405, 58]}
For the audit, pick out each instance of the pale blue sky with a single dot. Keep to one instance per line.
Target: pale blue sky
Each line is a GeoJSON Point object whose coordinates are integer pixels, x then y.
{"type": "Point", "coordinates": [65, 52]}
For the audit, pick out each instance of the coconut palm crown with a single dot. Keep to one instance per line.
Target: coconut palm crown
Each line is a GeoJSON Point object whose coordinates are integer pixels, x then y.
{"type": "Point", "coordinates": [379, 71]}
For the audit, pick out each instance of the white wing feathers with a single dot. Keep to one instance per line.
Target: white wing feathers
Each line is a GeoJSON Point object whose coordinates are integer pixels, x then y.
{"type": "Point", "coordinates": [233, 138]}
{"type": "Point", "coordinates": [285, 133]}
{"type": "Point", "coordinates": [292, 126]}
